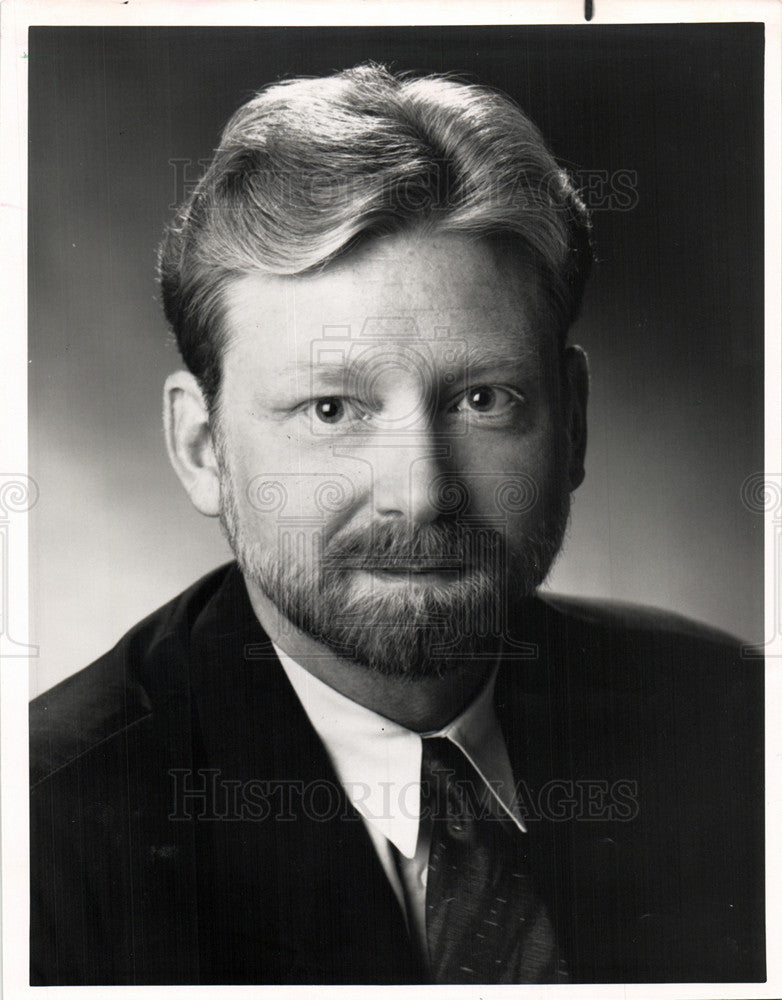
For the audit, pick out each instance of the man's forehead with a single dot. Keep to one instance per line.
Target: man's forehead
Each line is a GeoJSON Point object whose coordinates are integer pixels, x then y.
{"type": "Point", "coordinates": [447, 342]}
{"type": "Point", "coordinates": [446, 300]}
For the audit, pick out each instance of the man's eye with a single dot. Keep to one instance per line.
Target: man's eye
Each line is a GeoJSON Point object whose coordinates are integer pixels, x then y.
{"type": "Point", "coordinates": [337, 409]}
{"type": "Point", "coordinates": [330, 410]}
{"type": "Point", "coordinates": [490, 399]}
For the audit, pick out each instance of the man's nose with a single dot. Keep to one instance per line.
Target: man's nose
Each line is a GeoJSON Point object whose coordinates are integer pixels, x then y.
{"type": "Point", "coordinates": [407, 474]}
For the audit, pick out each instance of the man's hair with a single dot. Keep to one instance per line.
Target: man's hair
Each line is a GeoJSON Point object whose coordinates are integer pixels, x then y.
{"type": "Point", "coordinates": [309, 168]}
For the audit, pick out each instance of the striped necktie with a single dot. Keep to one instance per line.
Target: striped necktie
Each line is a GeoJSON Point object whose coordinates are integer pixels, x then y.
{"type": "Point", "coordinates": [484, 923]}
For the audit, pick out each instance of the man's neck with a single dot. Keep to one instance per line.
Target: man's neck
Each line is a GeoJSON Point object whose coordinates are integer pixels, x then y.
{"type": "Point", "coordinates": [420, 705]}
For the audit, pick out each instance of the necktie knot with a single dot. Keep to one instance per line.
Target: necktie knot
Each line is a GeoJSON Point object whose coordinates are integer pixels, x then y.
{"type": "Point", "coordinates": [450, 789]}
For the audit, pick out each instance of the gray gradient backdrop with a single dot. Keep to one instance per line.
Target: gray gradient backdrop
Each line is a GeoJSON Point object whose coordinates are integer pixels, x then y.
{"type": "Point", "coordinates": [673, 321]}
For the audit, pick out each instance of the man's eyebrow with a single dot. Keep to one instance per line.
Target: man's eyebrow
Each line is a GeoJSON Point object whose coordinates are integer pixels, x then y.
{"type": "Point", "coordinates": [316, 368]}
{"type": "Point", "coordinates": [479, 358]}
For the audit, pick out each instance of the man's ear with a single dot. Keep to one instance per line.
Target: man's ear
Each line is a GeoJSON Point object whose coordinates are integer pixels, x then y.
{"type": "Point", "coordinates": [577, 376]}
{"type": "Point", "coordinates": [189, 441]}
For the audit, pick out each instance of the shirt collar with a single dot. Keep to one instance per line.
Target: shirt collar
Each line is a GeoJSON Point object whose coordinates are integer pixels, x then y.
{"type": "Point", "coordinates": [378, 762]}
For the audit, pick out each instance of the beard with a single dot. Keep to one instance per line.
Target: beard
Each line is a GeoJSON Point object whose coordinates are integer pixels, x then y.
{"type": "Point", "coordinates": [454, 587]}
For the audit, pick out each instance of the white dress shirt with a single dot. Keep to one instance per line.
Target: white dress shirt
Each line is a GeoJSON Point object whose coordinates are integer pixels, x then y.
{"type": "Point", "coordinates": [378, 763]}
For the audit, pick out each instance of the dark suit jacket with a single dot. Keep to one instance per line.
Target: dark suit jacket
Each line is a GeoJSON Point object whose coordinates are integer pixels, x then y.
{"type": "Point", "coordinates": [187, 826]}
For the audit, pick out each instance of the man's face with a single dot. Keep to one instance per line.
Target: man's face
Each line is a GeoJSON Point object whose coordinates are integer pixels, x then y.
{"type": "Point", "coordinates": [392, 448]}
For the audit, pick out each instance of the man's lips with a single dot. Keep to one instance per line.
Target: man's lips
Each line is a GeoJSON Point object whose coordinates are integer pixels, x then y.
{"type": "Point", "coordinates": [414, 571]}
{"type": "Point", "coordinates": [384, 566]}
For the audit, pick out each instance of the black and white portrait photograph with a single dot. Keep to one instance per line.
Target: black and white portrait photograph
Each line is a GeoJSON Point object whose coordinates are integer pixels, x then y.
{"type": "Point", "coordinates": [395, 484]}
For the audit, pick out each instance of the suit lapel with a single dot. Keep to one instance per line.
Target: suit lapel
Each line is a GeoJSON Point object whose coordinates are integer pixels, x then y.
{"type": "Point", "coordinates": [291, 888]}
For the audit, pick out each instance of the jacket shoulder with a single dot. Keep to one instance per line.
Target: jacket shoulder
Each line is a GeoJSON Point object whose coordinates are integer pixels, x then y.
{"type": "Point", "coordinates": [624, 616]}
{"type": "Point", "coordinates": [663, 668]}
{"type": "Point", "coordinates": [117, 691]}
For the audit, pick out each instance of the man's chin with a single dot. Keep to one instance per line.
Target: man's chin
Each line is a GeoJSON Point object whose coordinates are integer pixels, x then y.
{"type": "Point", "coordinates": [412, 652]}
{"type": "Point", "coordinates": [410, 625]}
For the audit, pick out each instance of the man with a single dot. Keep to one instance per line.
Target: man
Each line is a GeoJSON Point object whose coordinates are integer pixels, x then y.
{"type": "Point", "coordinates": [368, 752]}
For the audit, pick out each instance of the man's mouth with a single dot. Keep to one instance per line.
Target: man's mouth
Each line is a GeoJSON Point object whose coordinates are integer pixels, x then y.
{"type": "Point", "coordinates": [419, 574]}
{"type": "Point", "coordinates": [417, 567]}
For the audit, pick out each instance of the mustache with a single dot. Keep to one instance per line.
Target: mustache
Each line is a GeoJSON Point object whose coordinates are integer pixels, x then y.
{"type": "Point", "coordinates": [413, 548]}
